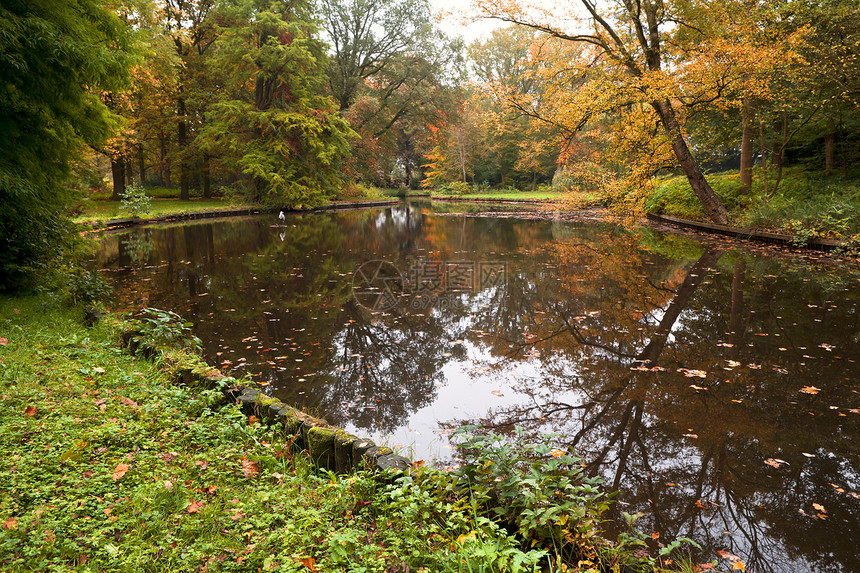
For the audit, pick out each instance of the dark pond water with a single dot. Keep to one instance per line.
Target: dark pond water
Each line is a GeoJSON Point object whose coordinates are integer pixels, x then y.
{"type": "Point", "coordinates": [715, 386]}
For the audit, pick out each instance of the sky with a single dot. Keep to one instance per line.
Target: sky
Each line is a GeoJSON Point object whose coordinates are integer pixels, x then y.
{"type": "Point", "coordinates": [458, 26]}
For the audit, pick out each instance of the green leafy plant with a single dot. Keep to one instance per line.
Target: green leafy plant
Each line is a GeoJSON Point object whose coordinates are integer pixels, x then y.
{"type": "Point", "coordinates": [83, 286]}
{"type": "Point", "coordinates": [136, 201]}
{"type": "Point", "coordinates": [165, 328]}
{"type": "Point", "coordinates": [537, 490]}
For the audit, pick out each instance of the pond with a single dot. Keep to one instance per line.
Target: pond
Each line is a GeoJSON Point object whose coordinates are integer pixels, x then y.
{"type": "Point", "coordinates": [717, 386]}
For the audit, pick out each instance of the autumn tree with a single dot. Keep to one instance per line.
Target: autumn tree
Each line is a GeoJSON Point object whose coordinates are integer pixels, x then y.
{"type": "Point", "coordinates": [389, 71]}
{"type": "Point", "coordinates": [631, 52]}
{"type": "Point", "coordinates": [56, 57]}
{"type": "Point", "coordinates": [273, 122]}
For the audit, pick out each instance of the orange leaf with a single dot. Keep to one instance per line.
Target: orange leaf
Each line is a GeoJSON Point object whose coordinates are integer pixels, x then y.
{"type": "Point", "coordinates": [249, 468]}
{"type": "Point", "coordinates": [3, 341]}
{"type": "Point", "coordinates": [810, 390]}
{"type": "Point", "coordinates": [308, 562]}
{"type": "Point", "coordinates": [10, 523]}
{"type": "Point", "coordinates": [195, 506]}
{"type": "Point", "coordinates": [655, 535]}
{"type": "Point", "coordinates": [30, 411]}
{"type": "Point", "coordinates": [252, 420]}
{"type": "Point", "coordinates": [120, 471]}
{"type": "Point", "coordinates": [739, 565]}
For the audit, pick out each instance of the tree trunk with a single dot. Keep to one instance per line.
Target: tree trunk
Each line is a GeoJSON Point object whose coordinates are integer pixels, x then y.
{"type": "Point", "coordinates": [182, 140]}
{"type": "Point", "coordinates": [828, 153]}
{"type": "Point", "coordinates": [141, 163]}
{"type": "Point", "coordinates": [746, 147]}
{"type": "Point", "coordinates": [163, 162]}
{"type": "Point", "coordinates": [207, 182]}
{"type": "Point", "coordinates": [117, 168]}
{"type": "Point", "coordinates": [714, 208]}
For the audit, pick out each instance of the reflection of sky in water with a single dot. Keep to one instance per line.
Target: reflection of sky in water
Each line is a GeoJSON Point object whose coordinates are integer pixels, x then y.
{"type": "Point", "coordinates": [553, 349]}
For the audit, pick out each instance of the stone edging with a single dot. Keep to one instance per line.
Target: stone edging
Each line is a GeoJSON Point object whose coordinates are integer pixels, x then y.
{"type": "Point", "coordinates": [132, 221]}
{"type": "Point", "coordinates": [751, 234]}
{"type": "Point", "coordinates": [329, 447]}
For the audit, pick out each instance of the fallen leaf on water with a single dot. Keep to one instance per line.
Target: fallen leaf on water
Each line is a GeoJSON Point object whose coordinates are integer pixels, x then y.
{"type": "Point", "coordinates": [120, 471]}
{"type": "Point", "coordinates": [693, 373]}
{"type": "Point", "coordinates": [733, 363]}
{"type": "Point", "coordinates": [819, 507]}
{"type": "Point", "coordinates": [775, 462]}
{"type": "Point", "coordinates": [808, 455]}
{"type": "Point", "coordinates": [249, 468]}
{"type": "Point", "coordinates": [694, 387]}
{"type": "Point", "coordinates": [810, 390]}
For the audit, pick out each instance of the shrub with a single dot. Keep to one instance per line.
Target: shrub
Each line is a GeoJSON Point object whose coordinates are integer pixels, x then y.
{"type": "Point", "coordinates": [136, 201]}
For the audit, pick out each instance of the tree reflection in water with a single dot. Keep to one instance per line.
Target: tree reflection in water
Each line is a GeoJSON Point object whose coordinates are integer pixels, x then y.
{"type": "Point", "coordinates": [599, 333]}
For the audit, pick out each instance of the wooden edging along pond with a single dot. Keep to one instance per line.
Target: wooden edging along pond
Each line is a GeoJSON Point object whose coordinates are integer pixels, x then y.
{"type": "Point", "coordinates": [751, 234]}
{"type": "Point", "coordinates": [328, 447]}
{"type": "Point", "coordinates": [132, 221]}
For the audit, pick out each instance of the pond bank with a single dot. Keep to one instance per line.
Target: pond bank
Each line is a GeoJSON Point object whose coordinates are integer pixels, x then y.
{"type": "Point", "coordinates": [111, 466]}
{"type": "Point", "coordinates": [230, 212]}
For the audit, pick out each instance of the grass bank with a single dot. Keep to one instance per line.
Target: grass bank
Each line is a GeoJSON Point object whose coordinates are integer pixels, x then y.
{"type": "Point", "coordinates": [805, 205]}
{"type": "Point", "coordinates": [108, 466]}
{"type": "Point", "coordinates": [101, 210]}
{"type": "Point", "coordinates": [98, 207]}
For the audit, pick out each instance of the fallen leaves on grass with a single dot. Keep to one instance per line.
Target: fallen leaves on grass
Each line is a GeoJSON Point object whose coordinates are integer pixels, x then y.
{"type": "Point", "coordinates": [120, 471]}
{"type": "Point", "coordinates": [249, 468]}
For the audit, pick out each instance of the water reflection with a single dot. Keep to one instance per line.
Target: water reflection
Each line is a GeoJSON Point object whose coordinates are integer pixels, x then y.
{"type": "Point", "coordinates": [716, 388]}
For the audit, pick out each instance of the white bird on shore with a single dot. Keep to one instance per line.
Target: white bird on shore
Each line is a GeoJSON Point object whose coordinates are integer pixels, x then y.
{"type": "Point", "coordinates": [282, 217]}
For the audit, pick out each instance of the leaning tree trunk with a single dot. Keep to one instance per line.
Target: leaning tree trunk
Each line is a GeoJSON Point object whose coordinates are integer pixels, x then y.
{"type": "Point", "coordinates": [706, 195]}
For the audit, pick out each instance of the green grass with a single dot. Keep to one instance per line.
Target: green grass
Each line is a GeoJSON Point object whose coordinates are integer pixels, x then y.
{"type": "Point", "coordinates": [102, 210]}
{"type": "Point", "coordinates": [107, 466]}
{"type": "Point", "coordinates": [805, 205]}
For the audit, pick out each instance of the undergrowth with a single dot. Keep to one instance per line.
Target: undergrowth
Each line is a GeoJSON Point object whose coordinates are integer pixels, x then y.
{"type": "Point", "coordinates": [806, 205]}
{"type": "Point", "coordinates": [108, 466]}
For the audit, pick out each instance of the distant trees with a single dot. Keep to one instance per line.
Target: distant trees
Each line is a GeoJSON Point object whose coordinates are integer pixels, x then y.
{"type": "Point", "coordinates": [56, 56]}
{"type": "Point", "coordinates": [390, 70]}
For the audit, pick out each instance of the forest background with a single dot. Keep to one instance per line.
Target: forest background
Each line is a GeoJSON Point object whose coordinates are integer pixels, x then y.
{"type": "Point", "coordinates": [744, 111]}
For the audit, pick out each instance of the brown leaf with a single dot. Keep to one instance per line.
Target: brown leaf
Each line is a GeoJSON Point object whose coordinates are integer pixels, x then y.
{"type": "Point", "coordinates": [252, 420]}
{"type": "Point", "coordinates": [3, 341]}
{"type": "Point", "coordinates": [30, 411]}
{"type": "Point", "coordinates": [308, 562]}
{"type": "Point", "coordinates": [775, 462]}
{"type": "Point", "coordinates": [202, 464]}
{"type": "Point", "coordinates": [810, 390]}
{"type": "Point", "coordinates": [120, 471]}
{"type": "Point", "coordinates": [249, 468]}
{"type": "Point", "coordinates": [129, 402]}
{"type": "Point", "coordinates": [10, 523]}
{"type": "Point", "coordinates": [195, 506]}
